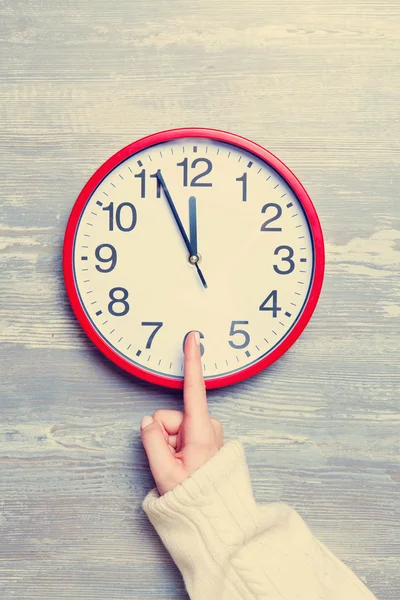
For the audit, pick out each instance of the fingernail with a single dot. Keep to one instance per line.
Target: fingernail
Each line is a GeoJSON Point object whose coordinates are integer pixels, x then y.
{"type": "Point", "coordinates": [197, 338]}
{"type": "Point", "coordinates": [146, 421]}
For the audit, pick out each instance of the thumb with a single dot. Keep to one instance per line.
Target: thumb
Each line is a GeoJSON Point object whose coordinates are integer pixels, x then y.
{"type": "Point", "coordinates": [159, 456]}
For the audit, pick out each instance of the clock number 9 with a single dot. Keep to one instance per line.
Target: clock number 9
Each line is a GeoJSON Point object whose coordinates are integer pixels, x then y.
{"type": "Point", "coordinates": [112, 259]}
{"type": "Point", "coordinates": [287, 259]}
{"type": "Point", "coordinates": [278, 214]}
{"type": "Point", "coordinates": [118, 212]}
{"type": "Point", "coordinates": [201, 345]}
{"type": "Point", "coordinates": [115, 300]}
{"type": "Point", "coordinates": [196, 161]}
{"type": "Point", "coordinates": [242, 332]}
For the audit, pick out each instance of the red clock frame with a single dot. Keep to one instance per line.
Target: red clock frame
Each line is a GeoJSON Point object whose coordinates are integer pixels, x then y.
{"type": "Point", "coordinates": [221, 136]}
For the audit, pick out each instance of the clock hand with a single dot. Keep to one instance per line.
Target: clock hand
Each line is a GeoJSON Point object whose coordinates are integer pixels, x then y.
{"type": "Point", "coordinates": [192, 254]}
{"type": "Point", "coordinates": [193, 223]}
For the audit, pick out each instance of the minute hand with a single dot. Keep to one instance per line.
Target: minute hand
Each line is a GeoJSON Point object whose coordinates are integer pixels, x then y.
{"type": "Point", "coordinates": [179, 223]}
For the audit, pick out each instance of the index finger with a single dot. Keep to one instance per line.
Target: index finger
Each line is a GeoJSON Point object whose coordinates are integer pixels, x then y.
{"type": "Point", "coordinates": [194, 390]}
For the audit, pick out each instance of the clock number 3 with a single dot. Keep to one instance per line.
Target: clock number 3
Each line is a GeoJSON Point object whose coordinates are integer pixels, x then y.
{"type": "Point", "coordinates": [287, 259]}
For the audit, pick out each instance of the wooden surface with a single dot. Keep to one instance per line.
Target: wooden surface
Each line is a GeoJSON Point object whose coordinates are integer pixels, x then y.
{"type": "Point", "coordinates": [318, 84]}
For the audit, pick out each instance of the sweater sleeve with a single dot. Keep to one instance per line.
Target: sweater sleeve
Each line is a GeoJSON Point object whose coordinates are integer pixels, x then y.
{"type": "Point", "coordinates": [229, 548]}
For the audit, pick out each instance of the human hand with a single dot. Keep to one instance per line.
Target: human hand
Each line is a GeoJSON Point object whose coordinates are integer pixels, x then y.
{"type": "Point", "coordinates": [178, 443]}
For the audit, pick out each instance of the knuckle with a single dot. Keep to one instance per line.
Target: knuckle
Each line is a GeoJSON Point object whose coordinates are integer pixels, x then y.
{"type": "Point", "coordinates": [158, 414]}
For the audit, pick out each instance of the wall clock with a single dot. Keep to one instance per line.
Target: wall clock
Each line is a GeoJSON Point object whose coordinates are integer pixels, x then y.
{"type": "Point", "coordinates": [193, 229]}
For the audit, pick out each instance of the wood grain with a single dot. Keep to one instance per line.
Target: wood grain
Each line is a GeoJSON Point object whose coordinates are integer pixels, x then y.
{"type": "Point", "coordinates": [318, 84]}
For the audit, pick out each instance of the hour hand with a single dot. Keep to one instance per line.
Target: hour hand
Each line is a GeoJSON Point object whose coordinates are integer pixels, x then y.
{"type": "Point", "coordinates": [193, 225]}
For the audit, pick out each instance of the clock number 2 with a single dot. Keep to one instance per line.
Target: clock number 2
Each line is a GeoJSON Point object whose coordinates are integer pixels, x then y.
{"type": "Point", "coordinates": [115, 300]}
{"type": "Point", "coordinates": [274, 218]}
{"type": "Point", "coordinates": [287, 259]}
{"type": "Point", "coordinates": [195, 179]}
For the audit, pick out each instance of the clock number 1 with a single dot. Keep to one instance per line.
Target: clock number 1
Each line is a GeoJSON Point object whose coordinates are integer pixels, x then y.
{"type": "Point", "coordinates": [243, 179]}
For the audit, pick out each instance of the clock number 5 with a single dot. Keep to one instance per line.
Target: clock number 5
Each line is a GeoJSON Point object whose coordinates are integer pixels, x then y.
{"type": "Point", "coordinates": [287, 259]}
{"type": "Point", "coordinates": [195, 179]}
{"type": "Point", "coordinates": [242, 332]}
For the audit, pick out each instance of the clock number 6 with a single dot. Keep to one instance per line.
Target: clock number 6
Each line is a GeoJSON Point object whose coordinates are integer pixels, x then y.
{"type": "Point", "coordinates": [201, 345]}
{"type": "Point", "coordinates": [242, 332]}
{"type": "Point", "coordinates": [287, 259]}
{"type": "Point", "coordinates": [115, 300]}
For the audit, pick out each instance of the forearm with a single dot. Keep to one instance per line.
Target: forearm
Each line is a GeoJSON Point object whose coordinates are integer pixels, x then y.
{"type": "Point", "coordinates": [229, 548]}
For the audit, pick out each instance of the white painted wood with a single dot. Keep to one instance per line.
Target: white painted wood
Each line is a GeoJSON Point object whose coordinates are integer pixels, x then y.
{"type": "Point", "coordinates": [317, 83]}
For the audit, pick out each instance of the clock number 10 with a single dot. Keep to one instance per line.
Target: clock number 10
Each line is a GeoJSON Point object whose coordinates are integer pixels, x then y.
{"type": "Point", "coordinates": [130, 219]}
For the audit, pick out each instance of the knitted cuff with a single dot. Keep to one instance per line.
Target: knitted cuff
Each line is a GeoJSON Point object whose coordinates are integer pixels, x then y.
{"type": "Point", "coordinates": [214, 507]}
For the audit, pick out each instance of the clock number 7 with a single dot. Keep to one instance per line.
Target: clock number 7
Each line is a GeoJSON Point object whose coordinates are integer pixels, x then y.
{"type": "Point", "coordinates": [157, 326]}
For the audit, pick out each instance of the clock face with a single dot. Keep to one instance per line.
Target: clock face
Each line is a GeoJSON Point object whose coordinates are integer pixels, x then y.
{"type": "Point", "coordinates": [193, 230]}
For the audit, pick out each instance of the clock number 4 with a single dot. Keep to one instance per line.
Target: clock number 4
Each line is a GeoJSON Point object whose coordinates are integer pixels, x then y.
{"type": "Point", "coordinates": [194, 181]}
{"type": "Point", "coordinates": [130, 219]}
{"type": "Point", "coordinates": [273, 296]}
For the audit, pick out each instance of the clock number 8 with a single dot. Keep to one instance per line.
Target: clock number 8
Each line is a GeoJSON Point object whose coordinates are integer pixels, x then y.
{"type": "Point", "coordinates": [115, 300]}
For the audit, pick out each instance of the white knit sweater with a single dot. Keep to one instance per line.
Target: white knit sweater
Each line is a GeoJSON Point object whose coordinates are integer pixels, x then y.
{"type": "Point", "coordinates": [229, 548]}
